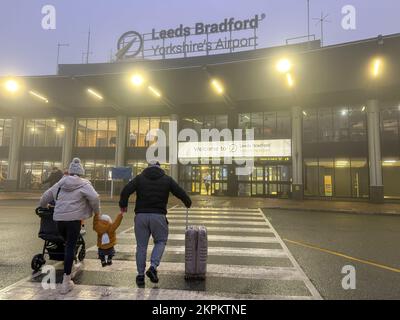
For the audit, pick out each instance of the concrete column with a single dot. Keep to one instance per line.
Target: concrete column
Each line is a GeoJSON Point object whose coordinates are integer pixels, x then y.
{"type": "Point", "coordinates": [14, 161]}
{"type": "Point", "coordinates": [174, 167]}
{"type": "Point", "coordinates": [68, 142]}
{"type": "Point", "coordinates": [374, 150]}
{"type": "Point", "coordinates": [297, 153]}
{"type": "Point", "coordinates": [122, 123]}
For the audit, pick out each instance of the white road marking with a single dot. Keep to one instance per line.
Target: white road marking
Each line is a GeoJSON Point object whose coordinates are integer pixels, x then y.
{"type": "Point", "coordinates": [213, 270]}
{"type": "Point", "coordinates": [213, 237]}
{"type": "Point", "coordinates": [214, 251]}
{"type": "Point", "coordinates": [215, 217]}
{"type": "Point", "coordinates": [207, 222]}
{"type": "Point", "coordinates": [95, 292]}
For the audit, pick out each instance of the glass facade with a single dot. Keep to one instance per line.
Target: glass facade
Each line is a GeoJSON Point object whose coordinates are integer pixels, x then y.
{"type": "Point", "coordinates": [5, 132]}
{"type": "Point", "coordinates": [204, 179]}
{"type": "Point", "coordinates": [43, 133]}
{"type": "Point", "coordinates": [341, 177]}
{"type": "Point", "coordinates": [98, 172]}
{"type": "Point", "coordinates": [33, 173]}
{"type": "Point", "coordinates": [140, 127]}
{"type": "Point", "coordinates": [270, 180]}
{"type": "Point", "coordinates": [3, 172]}
{"type": "Point", "coordinates": [337, 124]}
{"type": "Point", "coordinates": [267, 125]}
{"type": "Point", "coordinates": [138, 166]}
{"type": "Point", "coordinates": [391, 177]}
{"type": "Point", "coordinates": [96, 133]}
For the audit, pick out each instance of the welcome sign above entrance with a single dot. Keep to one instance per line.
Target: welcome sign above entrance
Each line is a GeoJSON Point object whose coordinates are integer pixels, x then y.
{"type": "Point", "coordinates": [235, 149]}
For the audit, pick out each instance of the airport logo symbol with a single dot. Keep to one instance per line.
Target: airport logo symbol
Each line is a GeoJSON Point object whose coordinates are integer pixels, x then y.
{"type": "Point", "coordinates": [130, 44]}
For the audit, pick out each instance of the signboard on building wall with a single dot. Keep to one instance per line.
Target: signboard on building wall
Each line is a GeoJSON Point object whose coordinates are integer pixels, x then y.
{"type": "Point", "coordinates": [184, 40]}
{"type": "Point", "coordinates": [235, 149]}
{"type": "Point", "coordinates": [328, 186]}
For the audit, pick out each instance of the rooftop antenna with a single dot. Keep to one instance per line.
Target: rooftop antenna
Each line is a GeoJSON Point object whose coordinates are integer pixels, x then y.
{"type": "Point", "coordinates": [308, 20]}
{"type": "Point", "coordinates": [88, 52]}
{"type": "Point", "coordinates": [321, 21]}
{"type": "Point", "coordinates": [59, 45]}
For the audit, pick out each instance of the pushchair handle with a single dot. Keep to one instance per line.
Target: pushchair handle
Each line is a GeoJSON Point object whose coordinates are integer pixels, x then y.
{"type": "Point", "coordinates": [42, 212]}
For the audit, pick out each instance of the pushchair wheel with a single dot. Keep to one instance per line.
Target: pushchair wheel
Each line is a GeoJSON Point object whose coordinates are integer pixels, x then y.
{"type": "Point", "coordinates": [82, 253]}
{"type": "Point", "coordinates": [37, 262]}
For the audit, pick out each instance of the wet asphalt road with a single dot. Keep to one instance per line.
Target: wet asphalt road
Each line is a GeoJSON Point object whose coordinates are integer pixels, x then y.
{"type": "Point", "coordinates": [367, 237]}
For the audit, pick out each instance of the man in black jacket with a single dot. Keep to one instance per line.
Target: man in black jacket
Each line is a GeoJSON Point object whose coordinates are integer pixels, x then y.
{"type": "Point", "coordinates": [152, 189]}
{"type": "Point", "coordinates": [55, 176]}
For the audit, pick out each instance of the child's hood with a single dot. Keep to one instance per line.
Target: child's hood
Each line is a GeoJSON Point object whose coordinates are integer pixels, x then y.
{"type": "Point", "coordinates": [103, 226]}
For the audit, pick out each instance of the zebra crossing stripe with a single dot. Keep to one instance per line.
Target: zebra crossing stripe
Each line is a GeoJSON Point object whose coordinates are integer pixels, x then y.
{"type": "Point", "coordinates": [216, 217]}
{"type": "Point", "coordinates": [99, 292]}
{"type": "Point", "coordinates": [215, 251]}
{"type": "Point", "coordinates": [212, 237]}
{"type": "Point", "coordinates": [207, 222]}
{"type": "Point", "coordinates": [213, 270]}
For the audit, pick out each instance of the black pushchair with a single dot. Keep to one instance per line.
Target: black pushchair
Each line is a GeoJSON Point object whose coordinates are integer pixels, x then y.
{"type": "Point", "coordinates": [53, 241]}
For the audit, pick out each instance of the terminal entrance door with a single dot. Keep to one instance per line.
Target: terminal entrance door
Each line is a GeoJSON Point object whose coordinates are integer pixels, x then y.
{"type": "Point", "coordinates": [271, 181]}
{"type": "Point", "coordinates": [205, 179]}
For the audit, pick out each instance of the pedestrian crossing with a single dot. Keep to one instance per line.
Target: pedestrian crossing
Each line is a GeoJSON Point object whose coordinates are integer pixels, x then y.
{"type": "Point", "coordinates": [246, 260]}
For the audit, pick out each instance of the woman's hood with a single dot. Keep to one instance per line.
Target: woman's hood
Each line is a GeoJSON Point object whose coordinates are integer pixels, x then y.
{"type": "Point", "coordinates": [71, 183]}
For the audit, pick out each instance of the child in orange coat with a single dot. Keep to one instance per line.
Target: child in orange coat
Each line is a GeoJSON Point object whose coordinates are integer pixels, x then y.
{"type": "Point", "coordinates": [106, 236]}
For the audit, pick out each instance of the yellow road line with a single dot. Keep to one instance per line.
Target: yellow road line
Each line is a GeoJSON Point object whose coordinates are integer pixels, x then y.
{"type": "Point", "coordinates": [378, 265]}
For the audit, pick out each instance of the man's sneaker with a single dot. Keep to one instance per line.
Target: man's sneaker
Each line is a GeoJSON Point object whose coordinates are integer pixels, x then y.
{"type": "Point", "coordinates": [140, 280]}
{"type": "Point", "coordinates": [103, 263]}
{"type": "Point", "coordinates": [109, 262]}
{"type": "Point", "coordinates": [152, 274]}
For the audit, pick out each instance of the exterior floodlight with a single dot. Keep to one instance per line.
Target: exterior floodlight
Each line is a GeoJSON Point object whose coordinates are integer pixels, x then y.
{"type": "Point", "coordinates": [217, 86]}
{"type": "Point", "coordinates": [137, 80]}
{"type": "Point", "coordinates": [283, 66]}
{"type": "Point", "coordinates": [363, 109]}
{"type": "Point", "coordinates": [376, 67]}
{"type": "Point", "coordinates": [95, 94]}
{"type": "Point", "coordinates": [155, 92]}
{"type": "Point", "coordinates": [290, 80]}
{"type": "Point", "coordinates": [12, 86]}
{"type": "Point", "coordinates": [37, 95]}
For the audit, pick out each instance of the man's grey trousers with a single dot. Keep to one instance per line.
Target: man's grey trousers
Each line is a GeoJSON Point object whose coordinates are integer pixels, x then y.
{"type": "Point", "coordinates": [146, 225]}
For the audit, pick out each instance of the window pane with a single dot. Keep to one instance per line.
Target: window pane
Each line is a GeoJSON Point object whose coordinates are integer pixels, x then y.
{"type": "Point", "coordinates": [326, 178]}
{"type": "Point", "coordinates": [311, 177]}
{"type": "Point", "coordinates": [144, 125]}
{"type": "Point", "coordinates": [6, 132]}
{"type": "Point", "coordinates": [81, 134]}
{"type": "Point", "coordinates": [91, 131]}
{"type": "Point", "coordinates": [325, 125]}
{"type": "Point", "coordinates": [341, 124]}
{"type": "Point", "coordinates": [102, 133]}
{"type": "Point", "coordinates": [154, 124]}
{"type": "Point", "coordinates": [360, 178]}
{"type": "Point", "coordinates": [389, 124]}
{"type": "Point", "coordinates": [112, 133]}
{"type": "Point", "coordinates": [29, 133]}
{"type": "Point", "coordinates": [283, 126]}
{"type": "Point", "coordinates": [51, 126]}
{"type": "Point", "coordinates": [133, 132]}
{"type": "Point", "coordinates": [221, 122]}
{"type": "Point", "coordinates": [257, 124]}
{"type": "Point", "coordinates": [269, 125]}
{"type": "Point", "coordinates": [244, 123]}
{"type": "Point", "coordinates": [40, 131]}
{"type": "Point", "coordinates": [342, 178]}
{"type": "Point", "coordinates": [209, 122]}
{"type": "Point", "coordinates": [358, 124]}
{"type": "Point", "coordinates": [391, 177]}
{"type": "Point", "coordinates": [310, 126]}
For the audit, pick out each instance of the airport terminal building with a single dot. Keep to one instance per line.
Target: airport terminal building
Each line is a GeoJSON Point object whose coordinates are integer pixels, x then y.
{"type": "Point", "coordinates": [338, 110]}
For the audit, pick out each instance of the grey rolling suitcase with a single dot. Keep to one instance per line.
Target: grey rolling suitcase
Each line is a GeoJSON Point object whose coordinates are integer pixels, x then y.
{"type": "Point", "coordinates": [196, 250]}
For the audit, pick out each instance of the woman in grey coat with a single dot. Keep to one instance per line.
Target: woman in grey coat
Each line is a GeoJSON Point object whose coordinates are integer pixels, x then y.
{"type": "Point", "coordinates": [77, 200]}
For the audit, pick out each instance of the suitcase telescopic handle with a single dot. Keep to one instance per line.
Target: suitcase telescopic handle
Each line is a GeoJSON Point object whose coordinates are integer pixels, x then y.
{"type": "Point", "coordinates": [187, 218]}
